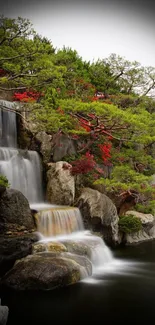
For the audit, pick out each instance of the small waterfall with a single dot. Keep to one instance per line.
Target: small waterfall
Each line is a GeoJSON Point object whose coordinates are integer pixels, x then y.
{"type": "Point", "coordinates": [59, 221]}
{"type": "Point", "coordinates": [65, 225]}
{"type": "Point", "coordinates": [21, 167]}
{"type": "Point", "coordinates": [8, 133]}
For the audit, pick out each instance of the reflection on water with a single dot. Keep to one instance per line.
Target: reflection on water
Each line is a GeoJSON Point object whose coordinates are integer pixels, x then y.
{"type": "Point", "coordinates": [123, 291]}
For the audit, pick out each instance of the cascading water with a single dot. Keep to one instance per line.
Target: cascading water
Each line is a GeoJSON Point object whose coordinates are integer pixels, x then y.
{"type": "Point", "coordinates": [55, 223]}
{"type": "Point", "coordinates": [22, 168]}
{"type": "Point", "coordinates": [65, 225]}
{"type": "Point", "coordinates": [59, 221]}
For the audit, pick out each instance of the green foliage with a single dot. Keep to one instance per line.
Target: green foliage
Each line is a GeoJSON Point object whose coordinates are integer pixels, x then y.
{"type": "Point", "coordinates": [129, 224]}
{"type": "Point", "coordinates": [148, 207]}
{"type": "Point", "coordinates": [124, 178]}
{"type": "Point", "coordinates": [68, 84]}
{"type": "Point", "coordinates": [4, 181]}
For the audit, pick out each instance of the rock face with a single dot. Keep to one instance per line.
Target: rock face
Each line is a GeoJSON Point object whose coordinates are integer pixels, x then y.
{"type": "Point", "coordinates": [146, 233]}
{"type": "Point", "coordinates": [15, 213]}
{"type": "Point", "coordinates": [16, 229]}
{"type": "Point", "coordinates": [60, 184]}
{"type": "Point", "coordinates": [45, 145]}
{"type": "Point", "coordinates": [99, 214]}
{"type": "Point", "coordinates": [4, 311]}
{"type": "Point", "coordinates": [14, 248]}
{"type": "Point", "coordinates": [43, 272]}
{"type": "Point", "coordinates": [63, 146]}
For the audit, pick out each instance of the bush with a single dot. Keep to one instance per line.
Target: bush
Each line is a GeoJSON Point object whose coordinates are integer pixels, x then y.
{"type": "Point", "coordinates": [4, 181]}
{"type": "Point", "coordinates": [129, 223]}
{"type": "Point", "coordinates": [149, 207]}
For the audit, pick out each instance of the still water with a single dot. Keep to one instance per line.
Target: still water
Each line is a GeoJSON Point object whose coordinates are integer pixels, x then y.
{"type": "Point", "coordinates": [123, 292]}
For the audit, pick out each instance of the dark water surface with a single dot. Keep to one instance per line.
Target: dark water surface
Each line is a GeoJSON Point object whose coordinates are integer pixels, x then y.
{"type": "Point", "coordinates": [122, 293]}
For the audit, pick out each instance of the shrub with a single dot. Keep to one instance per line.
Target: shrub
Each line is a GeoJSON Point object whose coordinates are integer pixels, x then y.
{"type": "Point", "coordinates": [129, 223]}
{"type": "Point", "coordinates": [4, 181]}
{"type": "Point", "coordinates": [149, 207]}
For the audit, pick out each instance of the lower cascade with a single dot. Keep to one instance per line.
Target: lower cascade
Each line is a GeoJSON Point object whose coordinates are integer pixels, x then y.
{"type": "Point", "coordinates": [64, 225]}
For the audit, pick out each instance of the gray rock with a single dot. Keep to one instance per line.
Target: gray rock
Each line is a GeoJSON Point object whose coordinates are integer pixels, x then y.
{"type": "Point", "coordinates": [60, 184]}
{"type": "Point", "coordinates": [146, 233]}
{"type": "Point", "coordinates": [14, 248]}
{"type": "Point", "coordinates": [147, 220]}
{"type": "Point", "coordinates": [138, 237]}
{"type": "Point", "coordinates": [14, 211]}
{"type": "Point", "coordinates": [63, 146]}
{"type": "Point", "coordinates": [99, 214]}
{"type": "Point", "coordinates": [45, 145]}
{"type": "Point", "coordinates": [43, 272]}
{"type": "Point", "coordinates": [4, 312]}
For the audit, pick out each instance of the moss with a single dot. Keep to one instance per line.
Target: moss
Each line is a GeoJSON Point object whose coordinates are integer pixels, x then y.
{"type": "Point", "coordinates": [129, 224]}
{"type": "Point", "coordinates": [4, 181]}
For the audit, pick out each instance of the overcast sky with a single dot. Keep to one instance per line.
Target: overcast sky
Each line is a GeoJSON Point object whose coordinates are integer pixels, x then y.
{"type": "Point", "coordinates": [94, 28]}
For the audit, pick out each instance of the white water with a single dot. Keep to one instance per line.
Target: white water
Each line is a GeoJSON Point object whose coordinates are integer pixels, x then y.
{"type": "Point", "coordinates": [22, 168]}
{"type": "Point", "coordinates": [59, 220]}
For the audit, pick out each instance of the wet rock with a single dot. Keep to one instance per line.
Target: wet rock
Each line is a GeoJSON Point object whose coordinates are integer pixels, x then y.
{"type": "Point", "coordinates": [79, 248]}
{"type": "Point", "coordinates": [55, 247]}
{"type": "Point", "coordinates": [37, 272]}
{"type": "Point", "coordinates": [83, 261]}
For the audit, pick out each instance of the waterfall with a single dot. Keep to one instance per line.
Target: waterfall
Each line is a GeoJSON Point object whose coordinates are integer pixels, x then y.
{"type": "Point", "coordinates": [65, 225]}
{"type": "Point", "coordinates": [8, 133]}
{"type": "Point", "coordinates": [59, 221]}
{"type": "Point", "coordinates": [21, 167]}
{"type": "Point", "coordinates": [55, 223]}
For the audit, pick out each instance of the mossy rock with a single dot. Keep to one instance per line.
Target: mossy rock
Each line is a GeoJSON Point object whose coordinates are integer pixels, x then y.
{"type": "Point", "coordinates": [56, 247]}
{"type": "Point", "coordinates": [49, 247]}
{"type": "Point", "coordinates": [38, 272]}
{"type": "Point", "coordinates": [38, 247]}
{"type": "Point", "coordinates": [79, 248]}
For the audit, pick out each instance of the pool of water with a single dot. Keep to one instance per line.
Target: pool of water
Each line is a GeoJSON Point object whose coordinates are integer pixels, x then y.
{"type": "Point", "coordinates": [122, 292]}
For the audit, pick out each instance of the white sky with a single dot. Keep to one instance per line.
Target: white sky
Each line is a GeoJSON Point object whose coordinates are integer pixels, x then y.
{"type": "Point", "coordinates": [95, 30]}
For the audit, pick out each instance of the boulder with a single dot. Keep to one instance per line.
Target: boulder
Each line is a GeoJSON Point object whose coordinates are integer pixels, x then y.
{"type": "Point", "coordinates": [4, 311]}
{"type": "Point", "coordinates": [63, 146]}
{"type": "Point", "coordinates": [14, 248]}
{"type": "Point", "coordinates": [42, 272]}
{"type": "Point", "coordinates": [60, 184]}
{"type": "Point", "coordinates": [45, 145]}
{"type": "Point", "coordinates": [55, 247]}
{"type": "Point", "coordinates": [15, 212]}
{"type": "Point", "coordinates": [147, 220]}
{"type": "Point", "coordinates": [77, 247]}
{"type": "Point", "coordinates": [146, 233]}
{"type": "Point", "coordinates": [99, 214]}
{"type": "Point", "coordinates": [137, 237]}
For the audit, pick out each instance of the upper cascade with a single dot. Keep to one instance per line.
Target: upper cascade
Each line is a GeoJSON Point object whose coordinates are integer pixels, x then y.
{"type": "Point", "coordinates": [8, 128]}
{"type": "Point", "coordinates": [21, 167]}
